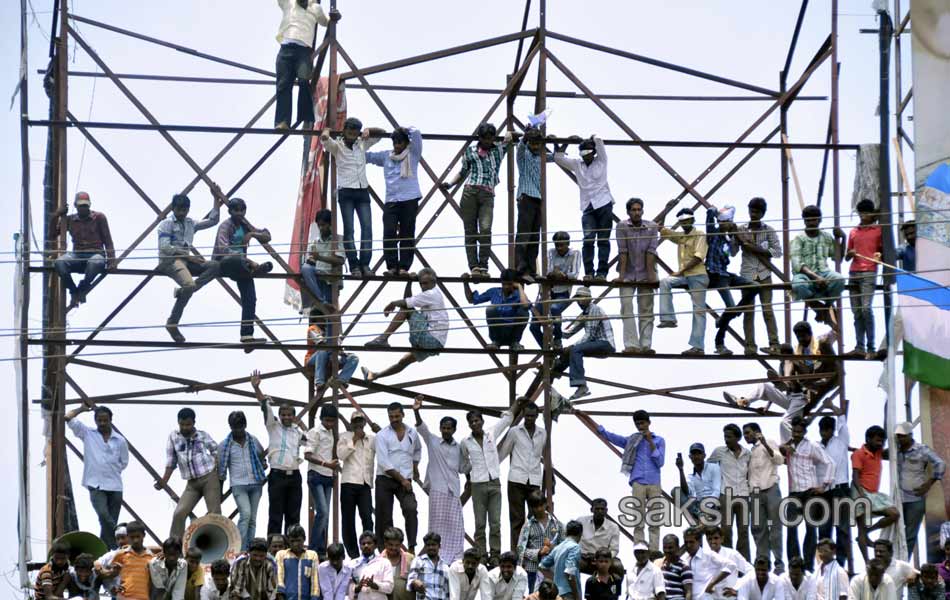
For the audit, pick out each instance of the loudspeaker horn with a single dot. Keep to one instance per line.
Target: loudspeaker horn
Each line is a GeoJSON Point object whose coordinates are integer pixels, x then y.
{"type": "Point", "coordinates": [216, 536]}
{"type": "Point", "coordinates": [82, 542]}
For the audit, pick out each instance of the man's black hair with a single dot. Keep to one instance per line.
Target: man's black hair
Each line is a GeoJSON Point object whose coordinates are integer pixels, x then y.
{"type": "Point", "coordinates": [84, 561]}
{"type": "Point", "coordinates": [574, 528]}
{"type": "Point", "coordinates": [633, 201]}
{"type": "Point", "coordinates": [432, 537]}
{"type": "Point", "coordinates": [802, 327]}
{"type": "Point", "coordinates": [509, 275]}
{"type": "Point", "coordinates": [135, 527]}
{"type": "Point", "coordinates": [257, 545]}
{"type": "Point", "coordinates": [472, 414]}
{"type": "Point", "coordinates": [221, 567]}
{"type": "Point", "coordinates": [395, 406]}
{"type": "Point", "coordinates": [561, 236]}
{"type": "Point", "coordinates": [323, 216]}
{"type": "Point", "coordinates": [753, 426]}
{"type": "Point", "coordinates": [237, 418]}
{"type": "Point", "coordinates": [170, 544]}
{"type": "Point", "coordinates": [875, 431]}
{"type": "Point", "coordinates": [485, 130]}
{"type": "Point", "coordinates": [335, 551]}
{"type": "Point", "coordinates": [393, 534]}
{"type": "Point", "coordinates": [101, 410]}
{"type": "Point", "coordinates": [186, 413]}
{"type": "Point", "coordinates": [758, 204]}
{"type": "Point", "coordinates": [296, 531]}
{"type": "Point", "coordinates": [237, 203]}
{"type": "Point", "coordinates": [180, 200]}
{"type": "Point", "coordinates": [734, 429]}
{"type": "Point", "coordinates": [811, 211]}
{"type": "Point", "coordinates": [400, 135]}
{"type": "Point", "coordinates": [508, 557]}
{"type": "Point", "coordinates": [353, 123]}
{"type": "Point", "coordinates": [472, 554]}
{"type": "Point", "coordinates": [641, 415]}
{"type": "Point", "coordinates": [450, 420]}
{"type": "Point", "coordinates": [368, 534]}
{"type": "Point", "coordinates": [826, 422]}
{"type": "Point", "coordinates": [865, 206]}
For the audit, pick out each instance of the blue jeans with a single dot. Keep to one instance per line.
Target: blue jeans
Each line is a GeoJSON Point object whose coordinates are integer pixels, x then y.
{"type": "Point", "coordinates": [320, 288]}
{"type": "Point", "coordinates": [597, 224]}
{"type": "Point", "coordinates": [803, 288]}
{"type": "Point", "coordinates": [696, 284]}
{"type": "Point", "coordinates": [91, 264]}
{"type": "Point", "coordinates": [861, 288]}
{"type": "Point", "coordinates": [247, 497]}
{"type": "Point", "coordinates": [294, 62]}
{"type": "Point", "coordinates": [358, 201]}
{"type": "Point", "coordinates": [320, 362]}
{"type": "Point", "coordinates": [504, 331]}
{"type": "Point", "coordinates": [576, 358]}
{"type": "Point", "coordinates": [555, 309]}
{"type": "Point", "coordinates": [722, 284]}
{"type": "Point", "coordinates": [913, 516]}
{"type": "Point", "coordinates": [107, 506]}
{"type": "Point", "coordinates": [236, 269]}
{"type": "Point", "coordinates": [321, 489]}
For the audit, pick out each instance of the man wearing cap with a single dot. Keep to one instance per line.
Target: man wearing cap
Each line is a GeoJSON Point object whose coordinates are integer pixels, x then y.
{"type": "Point", "coordinates": [691, 252]}
{"type": "Point", "coordinates": [813, 281]}
{"type": "Point", "coordinates": [93, 251]}
{"type": "Point", "coordinates": [349, 154]}
{"type": "Point", "coordinates": [598, 339]}
{"type": "Point", "coordinates": [357, 450]}
{"type": "Point", "coordinates": [918, 468]}
{"type": "Point", "coordinates": [320, 453]}
{"type": "Point", "coordinates": [400, 170]}
{"type": "Point", "coordinates": [442, 483]}
{"type": "Point", "coordinates": [722, 245]}
{"type": "Point", "coordinates": [176, 260]}
{"type": "Point", "coordinates": [704, 483]}
{"type": "Point", "coordinates": [646, 579]}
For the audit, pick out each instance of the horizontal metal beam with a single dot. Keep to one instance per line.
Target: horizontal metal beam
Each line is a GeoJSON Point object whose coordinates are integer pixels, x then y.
{"type": "Point", "coordinates": [445, 137]}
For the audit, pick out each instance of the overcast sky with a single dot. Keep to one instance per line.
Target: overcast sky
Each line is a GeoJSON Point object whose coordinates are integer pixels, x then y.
{"type": "Point", "coordinates": [742, 40]}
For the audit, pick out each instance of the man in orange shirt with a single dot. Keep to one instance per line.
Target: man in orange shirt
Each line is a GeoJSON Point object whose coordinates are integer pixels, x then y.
{"type": "Point", "coordinates": [866, 464]}
{"type": "Point", "coordinates": [129, 566]}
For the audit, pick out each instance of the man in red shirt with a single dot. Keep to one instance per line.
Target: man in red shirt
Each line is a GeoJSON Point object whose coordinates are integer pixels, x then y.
{"type": "Point", "coordinates": [864, 243]}
{"type": "Point", "coordinates": [93, 251]}
{"type": "Point", "coordinates": [866, 464]}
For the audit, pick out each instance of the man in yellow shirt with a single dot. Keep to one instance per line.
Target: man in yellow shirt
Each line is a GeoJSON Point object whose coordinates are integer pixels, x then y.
{"type": "Point", "coordinates": [691, 254]}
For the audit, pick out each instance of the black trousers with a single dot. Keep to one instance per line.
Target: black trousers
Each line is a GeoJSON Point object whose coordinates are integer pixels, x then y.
{"type": "Point", "coordinates": [528, 235]}
{"type": "Point", "coordinates": [284, 495]}
{"type": "Point", "coordinates": [399, 233]}
{"type": "Point", "coordinates": [388, 490]}
{"type": "Point", "coordinates": [517, 502]}
{"type": "Point", "coordinates": [355, 496]}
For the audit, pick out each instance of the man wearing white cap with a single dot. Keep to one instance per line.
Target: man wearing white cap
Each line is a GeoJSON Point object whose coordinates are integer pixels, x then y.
{"type": "Point", "coordinates": [722, 244]}
{"type": "Point", "coordinates": [691, 253]}
{"type": "Point", "coordinates": [645, 581]}
{"type": "Point", "coordinates": [598, 339]}
{"type": "Point", "coordinates": [914, 464]}
{"type": "Point", "coordinates": [356, 449]}
{"type": "Point", "coordinates": [93, 250]}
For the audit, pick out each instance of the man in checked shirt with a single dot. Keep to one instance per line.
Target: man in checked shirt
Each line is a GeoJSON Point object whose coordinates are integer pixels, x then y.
{"type": "Point", "coordinates": [195, 455]}
{"type": "Point", "coordinates": [429, 574]}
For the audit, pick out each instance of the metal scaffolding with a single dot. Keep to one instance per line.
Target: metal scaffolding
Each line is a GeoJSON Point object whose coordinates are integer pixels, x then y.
{"type": "Point", "coordinates": [62, 352]}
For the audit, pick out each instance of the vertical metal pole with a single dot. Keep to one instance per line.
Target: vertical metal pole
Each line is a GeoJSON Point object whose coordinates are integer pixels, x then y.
{"type": "Point", "coordinates": [509, 120]}
{"type": "Point", "coordinates": [786, 216]}
{"type": "Point", "coordinates": [835, 171]}
{"type": "Point", "coordinates": [540, 104]}
{"type": "Point", "coordinates": [886, 32]}
{"type": "Point", "coordinates": [55, 309]}
{"type": "Point", "coordinates": [336, 320]}
{"type": "Point", "coordinates": [899, 113]}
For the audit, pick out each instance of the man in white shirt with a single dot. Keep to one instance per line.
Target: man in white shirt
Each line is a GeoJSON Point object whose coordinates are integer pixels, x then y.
{"type": "Point", "coordinates": [442, 483]}
{"type": "Point", "coordinates": [349, 153]}
{"type": "Point", "coordinates": [599, 533]}
{"type": "Point", "coordinates": [760, 584]}
{"type": "Point", "coordinates": [739, 566]}
{"type": "Point", "coordinates": [398, 452]}
{"type": "Point", "coordinates": [375, 581]}
{"type": "Point", "coordinates": [803, 458]}
{"type": "Point", "coordinates": [428, 325]}
{"type": "Point", "coordinates": [220, 586]}
{"type": "Point", "coordinates": [645, 580]}
{"type": "Point", "coordinates": [296, 37]}
{"type": "Point", "coordinates": [733, 460]}
{"type": "Point", "coordinates": [901, 572]}
{"type": "Point", "coordinates": [357, 451]}
{"type": "Point", "coordinates": [874, 584]}
{"type": "Point", "coordinates": [709, 569]}
{"type": "Point", "coordinates": [367, 555]}
{"type": "Point", "coordinates": [525, 445]}
{"type": "Point", "coordinates": [468, 578]}
{"type": "Point", "coordinates": [480, 463]}
{"type": "Point", "coordinates": [798, 584]}
{"type": "Point", "coordinates": [830, 578]}
{"type": "Point", "coordinates": [508, 581]}
{"type": "Point", "coordinates": [835, 440]}
{"type": "Point", "coordinates": [168, 573]}
{"type": "Point", "coordinates": [106, 456]}
{"type": "Point", "coordinates": [590, 172]}
{"type": "Point", "coordinates": [285, 436]}
{"type": "Point", "coordinates": [764, 459]}
{"type": "Point", "coordinates": [320, 453]}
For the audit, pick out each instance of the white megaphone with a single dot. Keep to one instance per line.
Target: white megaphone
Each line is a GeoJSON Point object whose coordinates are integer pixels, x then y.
{"type": "Point", "coordinates": [216, 536]}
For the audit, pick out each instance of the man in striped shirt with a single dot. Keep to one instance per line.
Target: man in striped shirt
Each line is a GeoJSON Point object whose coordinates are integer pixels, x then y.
{"type": "Point", "coordinates": [803, 457]}
{"type": "Point", "coordinates": [676, 574]}
{"type": "Point", "coordinates": [529, 153]}
{"type": "Point", "coordinates": [598, 339]}
{"type": "Point", "coordinates": [480, 166]}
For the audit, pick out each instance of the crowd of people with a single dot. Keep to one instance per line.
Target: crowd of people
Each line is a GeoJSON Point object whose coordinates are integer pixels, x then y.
{"type": "Point", "coordinates": [751, 551]}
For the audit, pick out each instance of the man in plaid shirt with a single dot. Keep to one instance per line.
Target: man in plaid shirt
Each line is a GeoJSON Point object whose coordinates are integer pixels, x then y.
{"type": "Point", "coordinates": [813, 281]}
{"type": "Point", "coordinates": [194, 453]}
{"type": "Point", "coordinates": [429, 574]}
{"type": "Point", "coordinates": [480, 166]}
{"type": "Point", "coordinates": [540, 534]}
{"type": "Point", "coordinates": [598, 339]}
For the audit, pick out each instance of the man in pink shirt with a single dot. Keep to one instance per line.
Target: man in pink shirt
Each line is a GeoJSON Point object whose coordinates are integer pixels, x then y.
{"type": "Point", "coordinates": [864, 243]}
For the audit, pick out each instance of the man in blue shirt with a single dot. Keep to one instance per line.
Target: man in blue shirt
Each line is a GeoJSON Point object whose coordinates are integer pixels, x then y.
{"type": "Point", "coordinates": [528, 157]}
{"type": "Point", "coordinates": [703, 484]}
{"type": "Point", "coordinates": [400, 170]}
{"type": "Point", "coordinates": [643, 456]}
{"type": "Point", "coordinates": [562, 563]}
{"type": "Point", "coordinates": [508, 315]}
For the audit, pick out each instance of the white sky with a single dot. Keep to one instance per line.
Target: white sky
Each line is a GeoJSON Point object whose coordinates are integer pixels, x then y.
{"type": "Point", "coordinates": [742, 40]}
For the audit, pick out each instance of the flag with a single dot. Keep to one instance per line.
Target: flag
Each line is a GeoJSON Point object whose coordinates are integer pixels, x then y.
{"type": "Point", "coordinates": [925, 306]}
